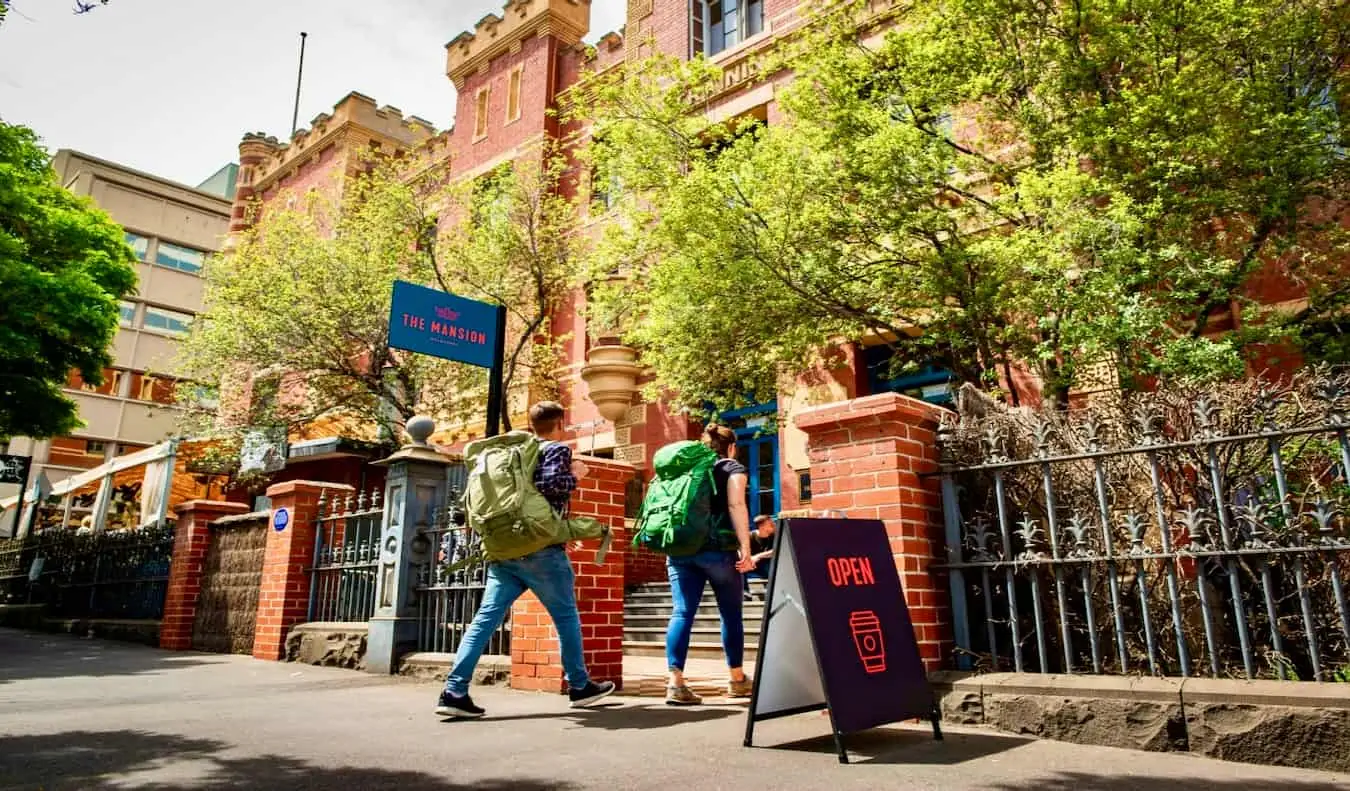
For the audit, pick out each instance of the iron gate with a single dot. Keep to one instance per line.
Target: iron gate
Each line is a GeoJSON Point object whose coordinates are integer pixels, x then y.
{"type": "Point", "coordinates": [346, 556]}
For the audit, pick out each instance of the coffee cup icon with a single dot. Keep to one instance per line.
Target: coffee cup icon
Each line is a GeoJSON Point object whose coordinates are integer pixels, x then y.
{"type": "Point", "coordinates": [868, 639]}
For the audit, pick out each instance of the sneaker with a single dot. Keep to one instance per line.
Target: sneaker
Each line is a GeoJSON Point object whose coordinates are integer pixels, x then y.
{"type": "Point", "coordinates": [740, 689]}
{"type": "Point", "coordinates": [459, 708]}
{"type": "Point", "coordinates": [590, 694]}
{"type": "Point", "coordinates": [681, 696]}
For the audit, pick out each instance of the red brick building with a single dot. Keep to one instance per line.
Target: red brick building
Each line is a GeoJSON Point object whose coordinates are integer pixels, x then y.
{"type": "Point", "coordinates": [510, 71]}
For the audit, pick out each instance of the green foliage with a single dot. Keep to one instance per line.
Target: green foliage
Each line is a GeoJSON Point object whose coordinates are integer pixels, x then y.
{"type": "Point", "coordinates": [64, 265]}
{"type": "Point", "coordinates": [299, 309]}
{"type": "Point", "coordinates": [1059, 183]}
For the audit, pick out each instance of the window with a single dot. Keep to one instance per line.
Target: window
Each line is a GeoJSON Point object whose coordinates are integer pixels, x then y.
{"type": "Point", "coordinates": [717, 25]}
{"type": "Point", "coordinates": [139, 244]}
{"type": "Point", "coordinates": [128, 311]}
{"type": "Point", "coordinates": [604, 192]}
{"type": "Point", "coordinates": [95, 447]}
{"type": "Point", "coordinates": [184, 259]}
{"type": "Point", "coordinates": [147, 392]}
{"type": "Point", "coordinates": [804, 487]}
{"type": "Point", "coordinates": [757, 449]}
{"type": "Point", "coordinates": [931, 383]}
{"type": "Point", "coordinates": [166, 320]}
{"type": "Point", "coordinates": [480, 119]}
{"type": "Point", "coordinates": [513, 95]}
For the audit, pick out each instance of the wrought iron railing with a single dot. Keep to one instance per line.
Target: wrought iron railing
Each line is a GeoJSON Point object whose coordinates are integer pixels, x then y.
{"type": "Point", "coordinates": [346, 555]}
{"type": "Point", "coordinates": [1182, 533]}
{"type": "Point", "coordinates": [448, 596]}
{"type": "Point", "coordinates": [115, 574]}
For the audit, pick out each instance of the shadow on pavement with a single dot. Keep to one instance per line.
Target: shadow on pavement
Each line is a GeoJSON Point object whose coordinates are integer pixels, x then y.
{"type": "Point", "coordinates": [890, 746]}
{"type": "Point", "coordinates": [30, 655]}
{"type": "Point", "coordinates": [1078, 781]}
{"type": "Point", "coordinates": [93, 761]}
{"type": "Point", "coordinates": [619, 717]}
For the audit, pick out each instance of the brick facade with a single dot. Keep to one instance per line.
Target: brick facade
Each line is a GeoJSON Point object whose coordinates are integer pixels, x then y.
{"type": "Point", "coordinates": [869, 457]}
{"type": "Point", "coordinates": [535, 662]}
{"type": "Point", "coordinates": [191, 541]}
{"type": "Point", "coordinates": [284, 599]}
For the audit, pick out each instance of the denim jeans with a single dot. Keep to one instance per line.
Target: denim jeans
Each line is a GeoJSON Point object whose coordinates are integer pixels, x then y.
{"type": "Point", "coordinates": [688, 575]}
{"type": "Point", "coordinates": [548, 573]}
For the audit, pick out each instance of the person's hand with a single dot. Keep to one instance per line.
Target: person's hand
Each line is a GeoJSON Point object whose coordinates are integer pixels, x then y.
{"type": "Point", "coordinates": [579, 469]}
{"type": "Point", "coordinates": [761, 556]}
{"type": "Point", "coordinates": [745, 562]}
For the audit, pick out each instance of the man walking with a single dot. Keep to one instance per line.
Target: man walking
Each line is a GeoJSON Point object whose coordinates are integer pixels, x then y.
{"type": "Point", "coordinates": [546, 572]}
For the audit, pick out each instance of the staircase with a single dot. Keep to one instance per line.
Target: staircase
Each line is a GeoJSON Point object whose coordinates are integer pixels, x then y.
{"type": "Point", "coordinates": [646, 613]}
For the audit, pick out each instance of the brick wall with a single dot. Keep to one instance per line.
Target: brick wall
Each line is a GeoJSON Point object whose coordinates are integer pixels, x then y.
{"type": "Point", "coordinates": [535, 661]}
{"type": "Point", "coordinates": [868, 456]}
{"type": "Point", "coordinates": [191, 540]}
{"type": "Point", "coordinates": [284, 599]}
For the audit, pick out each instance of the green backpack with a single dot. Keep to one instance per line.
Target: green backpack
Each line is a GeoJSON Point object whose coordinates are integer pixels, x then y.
{"type": "Point", "coordinates": [504, 508]}
{"type": "Point", "coordinates": [676, 517]}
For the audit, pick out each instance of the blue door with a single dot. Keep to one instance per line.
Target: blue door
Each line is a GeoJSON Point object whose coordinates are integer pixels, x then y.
{"type": "Point", "coordinates": [759, 454]}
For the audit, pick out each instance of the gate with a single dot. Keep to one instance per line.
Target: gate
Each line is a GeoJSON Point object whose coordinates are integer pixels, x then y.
{"type": "Point", "coordinates": [448, 600]}
{"type": "Point", "coordinates": [346, 556]}
{"type": "Point", "coordinates": [1185, 533]}
{"type": "Point", "coordinates": [227, 609]}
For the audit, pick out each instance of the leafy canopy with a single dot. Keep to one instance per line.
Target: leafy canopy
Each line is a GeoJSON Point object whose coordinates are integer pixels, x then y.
{"type": "Point", "coordinates": [64, 264]}
{"type": "Point", "coordinates": [294, 332]}
{"type": "Point", "coordinates": [987, 183]}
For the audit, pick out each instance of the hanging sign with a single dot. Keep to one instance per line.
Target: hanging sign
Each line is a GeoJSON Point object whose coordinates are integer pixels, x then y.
{"type": "Point", "coordinates": [834, 595]}
{"type": "Point", "coordinates": [439, 324]}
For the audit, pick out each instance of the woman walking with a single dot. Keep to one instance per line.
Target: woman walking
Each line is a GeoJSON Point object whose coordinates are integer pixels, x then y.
{"type": "Point", "coordinates": [721, 561]}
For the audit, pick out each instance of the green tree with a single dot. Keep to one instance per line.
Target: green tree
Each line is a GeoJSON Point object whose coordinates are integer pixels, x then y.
{"type": "Point", "coordinates": [295, 325]}
{"type": "Point", "coordinates": [64, 265]}
{"type": "Point", "coordinates": [989, 182]}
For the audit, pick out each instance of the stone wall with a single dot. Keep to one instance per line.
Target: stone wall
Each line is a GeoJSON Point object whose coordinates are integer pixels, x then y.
{"type": "Point", "coordinates": [328, 645]}
{"type": "Point", "coordinates": [1280, 723]}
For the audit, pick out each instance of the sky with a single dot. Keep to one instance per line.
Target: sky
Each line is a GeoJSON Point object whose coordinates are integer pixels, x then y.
{"type": "Point", "coordinates": [170, 86]}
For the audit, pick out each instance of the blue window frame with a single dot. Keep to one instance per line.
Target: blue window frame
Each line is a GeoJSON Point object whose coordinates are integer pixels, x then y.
{"type": "Point", "coordinates": [757, 448]}
{"type": "Point", "coordinates": [931, 383]}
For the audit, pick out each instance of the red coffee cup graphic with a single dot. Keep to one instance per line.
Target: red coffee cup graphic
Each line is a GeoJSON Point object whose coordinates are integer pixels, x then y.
{"type": "Point", "coordinates": [869, 641]}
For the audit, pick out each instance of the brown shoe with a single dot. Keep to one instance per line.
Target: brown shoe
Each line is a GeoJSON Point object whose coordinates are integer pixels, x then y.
{"type": "Point", "coordinates": [740, 689]}
{"type": "Point", "coordinates": [681, 696]}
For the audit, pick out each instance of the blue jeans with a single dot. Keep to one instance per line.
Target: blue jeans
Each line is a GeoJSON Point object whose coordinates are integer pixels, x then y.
{"type": "Point", "coordinates": [548, 573]}
{"type": "Point", "coordinates": [688, 575]}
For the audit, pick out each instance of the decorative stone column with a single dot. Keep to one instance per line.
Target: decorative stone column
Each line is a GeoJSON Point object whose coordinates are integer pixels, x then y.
{"type": "Point", "coordinates": [414, 489]}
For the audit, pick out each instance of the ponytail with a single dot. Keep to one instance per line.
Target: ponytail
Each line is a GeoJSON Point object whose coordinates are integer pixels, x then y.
{"type": "Point", "coordinates": [719, 438]}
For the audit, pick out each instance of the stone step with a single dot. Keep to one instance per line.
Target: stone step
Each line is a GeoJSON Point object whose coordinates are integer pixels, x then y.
{"type": "Point", "coordinates": [701, 633]}
{"type": "Point", "coordinates": [655, 589]}
{"type": "Point", "coordinates": [696, 650]}
{"type": "Point", "coordinates": [712, 623]}
{"type": "Point", "coordinates": [749, 611]}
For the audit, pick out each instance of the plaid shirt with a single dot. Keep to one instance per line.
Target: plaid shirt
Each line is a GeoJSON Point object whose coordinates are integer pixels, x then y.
{"type": "Point", "coordinates": [553, 477]}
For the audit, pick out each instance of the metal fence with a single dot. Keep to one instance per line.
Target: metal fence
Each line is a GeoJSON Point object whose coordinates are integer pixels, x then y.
{"type": "Point", "coordinates": [448, 600]}
{"type": "Point", "coordinates": [1183, 533]}
{"type": "Point", "coordinates": [346, 554]}
{"type": "Point", "coordinates": [115, 574]}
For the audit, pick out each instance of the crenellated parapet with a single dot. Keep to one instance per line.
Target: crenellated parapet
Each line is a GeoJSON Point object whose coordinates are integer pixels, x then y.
{"type": "Point", "coordinates": [472, 51]}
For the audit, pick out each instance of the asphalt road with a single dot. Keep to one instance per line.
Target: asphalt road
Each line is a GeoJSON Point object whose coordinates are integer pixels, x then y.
{"type": "Point", "coordinates": [89, 715]}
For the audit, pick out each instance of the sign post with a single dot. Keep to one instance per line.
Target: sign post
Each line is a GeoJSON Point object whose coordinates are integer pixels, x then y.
{"type": "Point", "coordinates": [834, 595]}
{"type": "Point", "coordinates": [427, 321]}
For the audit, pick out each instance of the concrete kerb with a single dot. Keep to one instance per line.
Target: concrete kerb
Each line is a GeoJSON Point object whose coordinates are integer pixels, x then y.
{"type": "Point", "coordinates": [1282, 723]}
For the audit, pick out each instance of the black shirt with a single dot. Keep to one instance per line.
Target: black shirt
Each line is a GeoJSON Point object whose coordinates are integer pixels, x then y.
{"type": "Point", "coordinates": [722, 473]}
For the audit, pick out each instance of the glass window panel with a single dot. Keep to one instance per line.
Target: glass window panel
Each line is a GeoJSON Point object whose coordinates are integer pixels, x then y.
{"type": "Point", "coordinates": [184, 259]}
{"type": "Point", "coordinates": [128, 312]}
{"type": "Point", "coordinates": [139, 244]}
{"type": "Point", "coordinates": [754, 18]}
{"type": "Point", "coordinates": [167, 320]}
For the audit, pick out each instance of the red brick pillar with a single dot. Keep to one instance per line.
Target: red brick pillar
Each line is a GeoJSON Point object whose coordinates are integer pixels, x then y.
{"type": "Point", "coordinates": [191, 540]}
{"type": "Point", "coordinates": [283, 601]}
{"type": "Point", "coordinates": [535, 662]}
{"type": "Point", "coordinates": [867, 459]}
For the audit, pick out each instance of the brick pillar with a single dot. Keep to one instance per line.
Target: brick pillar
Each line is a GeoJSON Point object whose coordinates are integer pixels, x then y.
{"type": "Point", "coordinates": [283, 601]}
{"type": "Point", "coordinates": [191, 540]}
{"type": "Point", "coordinates": [867, 459]}
{"type": "Point", "coordinates": [535, 662]}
